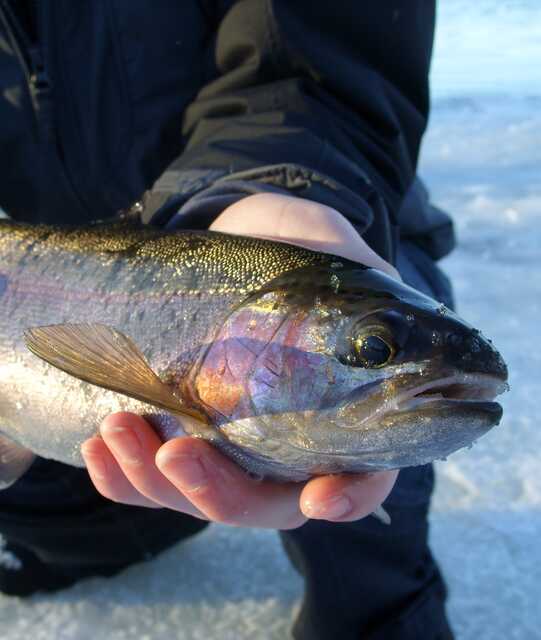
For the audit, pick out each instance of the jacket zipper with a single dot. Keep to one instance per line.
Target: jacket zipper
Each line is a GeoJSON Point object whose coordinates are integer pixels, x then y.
{"type": "Point", "coordinates": [32, 53]}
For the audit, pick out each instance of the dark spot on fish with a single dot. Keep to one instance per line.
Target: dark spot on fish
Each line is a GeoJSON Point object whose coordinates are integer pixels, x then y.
{"type": "Point", "coordinates": [3, 284]}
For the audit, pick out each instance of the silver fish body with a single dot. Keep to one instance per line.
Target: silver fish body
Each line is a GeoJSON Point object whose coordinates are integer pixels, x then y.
{"type": "Point", "coordinates": [278, 349]}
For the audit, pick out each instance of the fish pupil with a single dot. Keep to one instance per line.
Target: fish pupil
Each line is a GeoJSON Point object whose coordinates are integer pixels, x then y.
{"type": "Point", "coordinates": [372, 351]}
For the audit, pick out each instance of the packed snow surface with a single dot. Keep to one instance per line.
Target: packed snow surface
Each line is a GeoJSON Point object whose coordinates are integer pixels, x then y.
{"type": "Point", "coordinates": [482, 162]}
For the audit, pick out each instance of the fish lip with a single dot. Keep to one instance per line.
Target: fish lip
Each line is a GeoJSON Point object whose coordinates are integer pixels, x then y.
{"type": "Point", "coordinates": [476, 390]}
{"type": "Point", "coordinates": [490, 385]}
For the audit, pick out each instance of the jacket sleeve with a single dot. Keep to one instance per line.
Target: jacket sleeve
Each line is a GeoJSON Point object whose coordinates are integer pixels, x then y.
{"type": "Point", "coordinates": [327, 101]}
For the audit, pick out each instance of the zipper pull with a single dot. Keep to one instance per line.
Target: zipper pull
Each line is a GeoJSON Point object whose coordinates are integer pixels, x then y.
{"type": "Point", "coordinates": [39, 78]}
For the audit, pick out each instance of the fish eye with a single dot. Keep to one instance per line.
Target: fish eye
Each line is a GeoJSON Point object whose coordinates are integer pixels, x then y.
{"type": "Point", "coordinates": [372, 351]}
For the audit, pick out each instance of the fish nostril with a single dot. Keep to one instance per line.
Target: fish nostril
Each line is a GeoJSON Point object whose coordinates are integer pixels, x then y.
{"type": "Point", "coordinates": [453, 339]}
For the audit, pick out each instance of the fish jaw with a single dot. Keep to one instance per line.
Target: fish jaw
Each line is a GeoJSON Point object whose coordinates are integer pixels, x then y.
{"type": "Point", "coordinates": [428, 419]}
{"type": "Point", "coordinates": [395, 431]}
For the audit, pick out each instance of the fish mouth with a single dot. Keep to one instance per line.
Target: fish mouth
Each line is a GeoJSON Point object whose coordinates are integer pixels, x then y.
{"type": "Point", "coordinates": [427, 421]}
{"type": "Point", "coordinates": [476, 390]}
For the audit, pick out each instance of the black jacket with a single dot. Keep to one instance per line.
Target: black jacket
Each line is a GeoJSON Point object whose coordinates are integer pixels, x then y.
{"type": "Point", "coordinates": [189, 105]}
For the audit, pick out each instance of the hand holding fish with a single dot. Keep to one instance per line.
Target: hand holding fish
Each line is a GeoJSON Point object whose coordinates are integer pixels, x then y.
{"type": "Point", "coordinates": [130, 464]}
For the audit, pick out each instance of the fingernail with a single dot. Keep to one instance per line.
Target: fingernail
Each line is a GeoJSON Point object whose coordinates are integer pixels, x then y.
{"type": "Point", "coordinates": [124, 442]}
{"type": "Point", "coordinates": [99, 468]}
{"type": "Point", "coordinates": [189, 471]}
{"type": "Point", "coordinates": [335, 507]}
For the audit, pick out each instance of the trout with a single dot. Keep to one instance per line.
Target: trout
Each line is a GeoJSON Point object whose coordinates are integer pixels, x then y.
{"type": "Point", "coordinates": [292, 362]}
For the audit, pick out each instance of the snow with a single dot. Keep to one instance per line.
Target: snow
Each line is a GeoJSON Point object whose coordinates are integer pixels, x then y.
{"type": "Point", "coordinates": [217, 585]}
{"type": "Point", "coordinates": [482, 163]}
{"type": "Point", "coordinates": [481, 159]}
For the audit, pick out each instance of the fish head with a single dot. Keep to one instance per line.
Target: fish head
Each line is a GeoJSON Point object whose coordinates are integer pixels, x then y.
{"type": "Point", "coordinates": [339, 367]}
{"type": "Point", "coordinates": [424, 379]}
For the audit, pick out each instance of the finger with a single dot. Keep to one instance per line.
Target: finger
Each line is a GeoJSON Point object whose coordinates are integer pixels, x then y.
{"type": "Point", "coordinates": [346, 498]}
{"type": "Point", "coordinates": [108, 477]}
{"type": "Point", "coordinates": [224, 492]}
{"type": "Point", "coordinates": [134, 444]}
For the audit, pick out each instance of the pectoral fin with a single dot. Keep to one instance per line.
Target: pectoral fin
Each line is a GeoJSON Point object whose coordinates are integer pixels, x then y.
{"type": "Point", "coordinates": [103, 356]}
{"type": "Point", "coordinates": [14, 461]}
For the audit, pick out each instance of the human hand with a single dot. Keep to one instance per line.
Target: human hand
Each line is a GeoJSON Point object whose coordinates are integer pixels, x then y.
{"type": "Point", "coordinates": [130, 464]}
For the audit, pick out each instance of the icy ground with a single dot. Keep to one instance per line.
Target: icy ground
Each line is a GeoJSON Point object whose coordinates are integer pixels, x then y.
{"type": "Point", "coordinates": [482, 161]}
